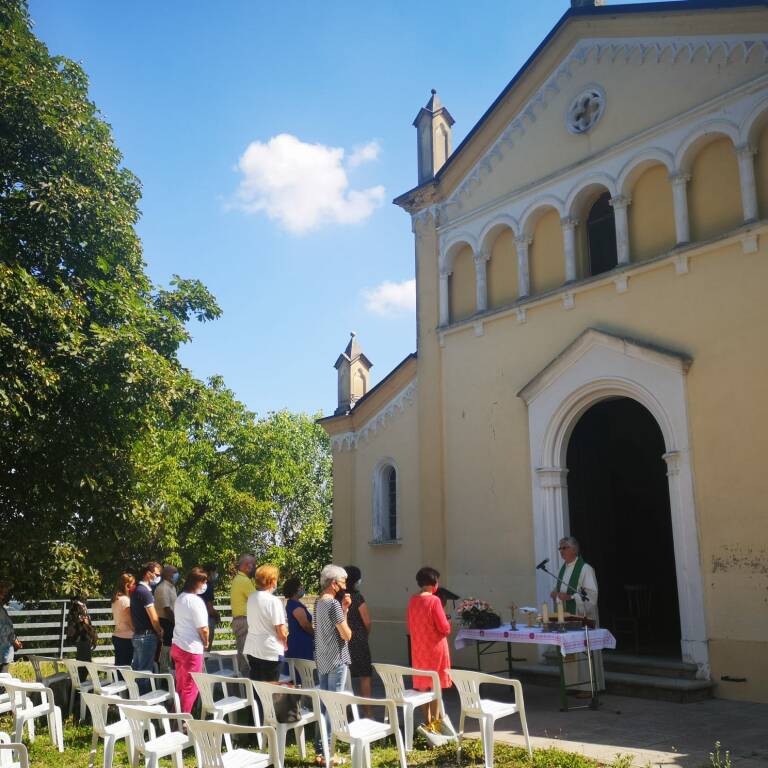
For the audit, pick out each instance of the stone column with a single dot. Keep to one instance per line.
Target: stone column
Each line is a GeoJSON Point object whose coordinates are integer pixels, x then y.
{"type": "Point", "coordinates": [523, 271]}
{"type": "Point", "coordinates": [569, 225]}
{"type": "Point", "coordinates": [680, 201]}
{"type": "Point", "coordinates": [444, 301]}
{"type": "Point", "coordinates": [481, 280]}
{"type": "Point", "coordinates": [619, 205]}
{"type": "Point", "coordinates": [746, 155]}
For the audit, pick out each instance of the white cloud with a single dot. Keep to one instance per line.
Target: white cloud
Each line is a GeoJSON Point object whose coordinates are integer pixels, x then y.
{"type": "Point", "coordinates": [391, 298]}
{"type": "Point", "coordinates": [364, 154]}
{"type": "Point", "coordinates": [304, 186]}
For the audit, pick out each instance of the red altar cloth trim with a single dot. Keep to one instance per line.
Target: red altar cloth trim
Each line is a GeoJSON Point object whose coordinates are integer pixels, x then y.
{"type": "Point", "coordinates": [568, 642]}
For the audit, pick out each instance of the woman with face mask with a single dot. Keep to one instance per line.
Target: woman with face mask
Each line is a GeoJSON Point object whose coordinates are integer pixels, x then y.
{"type": "Point", "coordinates": [267, 634]}
{"type": "Point", "coordinates": [301, 643]}
{"type": "Point", "coordinates": [190, 636]}
{"type": "Point", "coordinates": [429, 629]}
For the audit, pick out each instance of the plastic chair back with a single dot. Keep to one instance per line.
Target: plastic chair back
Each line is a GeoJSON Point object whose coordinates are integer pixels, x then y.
{"type": "Point", "coordinates": [305, 669]}
{"type": "Point", "coordinates": [467, 684]}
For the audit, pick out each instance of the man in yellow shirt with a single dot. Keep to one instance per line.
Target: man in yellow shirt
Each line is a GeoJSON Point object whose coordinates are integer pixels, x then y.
{"type": "Point", "coordinates": [242, 586]}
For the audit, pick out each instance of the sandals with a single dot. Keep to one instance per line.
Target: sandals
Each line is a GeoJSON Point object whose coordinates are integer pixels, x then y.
{"type": "Point", "coordinates": [320, 760]}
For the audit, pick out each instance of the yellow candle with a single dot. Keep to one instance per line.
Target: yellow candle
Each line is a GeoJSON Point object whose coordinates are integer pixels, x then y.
{"type": "Point", "coordinates": [544, 612]}
{"type": "Point", "coordinates": [560, 612]}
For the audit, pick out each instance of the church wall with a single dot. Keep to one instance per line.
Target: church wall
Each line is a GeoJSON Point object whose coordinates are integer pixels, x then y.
{"type": "Point", "coordinates": [717, 315]}
{"type": "Point", "coordinates": [502, 271]}
{"type": "Point", "coordinates": [463, 294]}
{"type": "Point", "coordinates": [388, 569]}
{"type": "Point", "coordinates": [547, 261]}
{"type": "Point", "coordinates": [761, 173]}
{"type": "Point", "coordinates": [651, 215]}
{"type": "Point", "coordinates": [714, 195]}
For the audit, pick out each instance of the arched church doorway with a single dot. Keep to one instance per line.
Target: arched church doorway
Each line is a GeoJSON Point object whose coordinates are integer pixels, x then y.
{"type": "Point", "coordinates": [618, 500]}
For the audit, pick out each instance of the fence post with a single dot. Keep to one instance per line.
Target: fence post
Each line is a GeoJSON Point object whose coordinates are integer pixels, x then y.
{"type": "Point", "coordinates": [63, 628]}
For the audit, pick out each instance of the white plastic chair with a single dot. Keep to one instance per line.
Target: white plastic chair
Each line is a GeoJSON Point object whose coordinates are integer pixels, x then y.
{"type": "Point", "coordinates": [220, 708]}
{"type": "Point", "coordinates": [266, 692]}
{"type": "Point", "coordinates": [59, 672]}
{"type": "Point", "coordinates": [154, 695]}
{"type": "Point", "coordinates": [111, 684]}
{"type": "Point", "coordinates": [147, 743]}
{"type": "Point", "coordinates": [305, 675]}
{"type": "Point", "coordinates": [99, 706]}
{"type": "Point", "coordinates": [207, 736]}
{"type": "Point", "coordinates": [26, 711]}
{"type": "Point", "coordinates": [487, 711]}
{"type": "Point", "coordinates": [216, 664]}
{"type": "Point", "coordinates": [362, 732]}
{"type": "Point", "coordinates": [5, 699]}
{"type": "Point", "coordinates": [10, 749]}
{"type": "Point", "coordinates": [393, 678]}
{"type": "Point", "coordinates": [77, 686]}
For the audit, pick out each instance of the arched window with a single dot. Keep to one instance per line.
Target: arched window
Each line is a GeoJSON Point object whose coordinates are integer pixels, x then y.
{"type": "Point", "coordinates": [601, 236]}
{"type": "Point", "coordinates": [385, 503]}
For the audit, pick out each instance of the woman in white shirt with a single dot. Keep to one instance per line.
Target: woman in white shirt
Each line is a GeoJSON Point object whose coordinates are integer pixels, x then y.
{"type": "Point", "coordinates": [190, 636]}
{"type": "Point", "coordinates": [267, 636]}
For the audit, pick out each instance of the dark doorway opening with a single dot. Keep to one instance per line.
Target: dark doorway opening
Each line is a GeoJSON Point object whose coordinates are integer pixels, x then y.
{"type": "Point", "coordinates": [601, 236]}
{"type": "Point", "coordinates": [618, 499]}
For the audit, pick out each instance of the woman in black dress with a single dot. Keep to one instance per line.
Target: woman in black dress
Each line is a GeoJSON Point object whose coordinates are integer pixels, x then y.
{"type": "Point", "coordinates": [359, 621]}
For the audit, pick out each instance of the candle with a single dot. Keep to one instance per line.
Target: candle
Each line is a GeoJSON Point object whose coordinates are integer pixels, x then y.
{"type": "Point", "coordinates": [560, 612]}
{"type": "Point", "coordinates": [545, 613]}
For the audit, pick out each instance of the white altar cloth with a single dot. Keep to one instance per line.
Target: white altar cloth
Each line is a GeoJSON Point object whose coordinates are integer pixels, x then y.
{"type": "Point", "coordinates": [568, 642]}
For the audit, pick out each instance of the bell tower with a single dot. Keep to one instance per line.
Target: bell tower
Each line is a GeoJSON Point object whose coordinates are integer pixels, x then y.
{"type": "Point", "coordinates": [433, 137]}
{"type": "Point", "coordinates": [353, 369]}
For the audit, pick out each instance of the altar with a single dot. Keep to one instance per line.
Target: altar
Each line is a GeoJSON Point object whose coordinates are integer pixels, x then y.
{"type": "Point", "coordinates": [569, 642]}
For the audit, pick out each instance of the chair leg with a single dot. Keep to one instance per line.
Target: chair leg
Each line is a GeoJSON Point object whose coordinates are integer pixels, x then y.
{"type": "Point", "coordinates": [94, 747]}
{"type": "Point", "coordinates": [82, 708]}
{"type": "Point", "coordinates": [301, 742]}
{"type": "Point", "coordinates": [400, 746]}
{"type": "Point", "coordinates": [257, 723]}
{"type": "Point", "coordinates": [461, 726]}
{"type": "Point", "coordinates": [131, 750]}
{"type": "Point", "coordinates": [71, 710]}
{"type": "Point", "coordinates": [324, 741]}
{"type": "Point", "coordinates": [282, 733]}
{"type": "Point", "coordinates": [109, 750]}
{"type": "Point", "coordinates": [59, 728]}
{"type": "Point", "coordinates": [486, 730]}
{"type": "Point", "coordinates": [524, 724]}
{"type": "Point", "coordinates": [178, 760]}
{"type": "Point", "coordinates": [407, 726]}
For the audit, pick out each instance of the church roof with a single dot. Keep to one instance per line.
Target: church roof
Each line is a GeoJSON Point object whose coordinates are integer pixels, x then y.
{"type": "Point", "coordinates": [666, 6]}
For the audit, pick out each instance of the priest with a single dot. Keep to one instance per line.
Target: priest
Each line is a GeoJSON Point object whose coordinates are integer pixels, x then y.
{"type": "Point", "coordinates": [577, 588]}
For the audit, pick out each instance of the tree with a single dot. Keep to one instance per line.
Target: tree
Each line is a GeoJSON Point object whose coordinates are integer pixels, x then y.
{"type": "Point", "coordinates": [87, 345]}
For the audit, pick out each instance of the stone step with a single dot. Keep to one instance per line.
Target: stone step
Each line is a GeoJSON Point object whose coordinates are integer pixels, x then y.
{"type": "Point", "coordinates": [658, 687]}
{"type": "Point", "coordinates": [649, 665]}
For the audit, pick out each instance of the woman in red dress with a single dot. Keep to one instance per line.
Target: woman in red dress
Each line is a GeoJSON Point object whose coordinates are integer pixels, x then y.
{"type": "Point", "coordinates": [429, 629]}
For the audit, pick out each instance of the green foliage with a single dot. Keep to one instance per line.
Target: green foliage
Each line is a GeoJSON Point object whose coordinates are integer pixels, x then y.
{"type": "Point", "coordinates": [111, 452]}
{"type": "Point", "coordinates": [718, 759]}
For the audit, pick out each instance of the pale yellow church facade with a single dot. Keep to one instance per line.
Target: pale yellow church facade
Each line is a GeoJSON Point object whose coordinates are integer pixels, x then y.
{"type": "Point", "coordinates": [592, 349]}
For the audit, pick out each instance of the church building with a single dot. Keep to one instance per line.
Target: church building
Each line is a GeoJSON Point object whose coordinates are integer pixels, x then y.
{"type": "Point", "coordinates": [592, 349]}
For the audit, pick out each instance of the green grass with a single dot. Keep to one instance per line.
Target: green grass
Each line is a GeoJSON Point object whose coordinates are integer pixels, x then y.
{"type": "Point", "coordinates": [77, 744]}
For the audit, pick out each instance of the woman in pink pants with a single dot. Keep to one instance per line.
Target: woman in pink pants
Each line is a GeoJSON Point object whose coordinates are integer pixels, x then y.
{"type": "Point", "coordinates": [190, 636]}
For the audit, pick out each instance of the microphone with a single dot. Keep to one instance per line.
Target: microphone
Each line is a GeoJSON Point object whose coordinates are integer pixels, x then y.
{"type": "Point", "coordinates": [542, 564]}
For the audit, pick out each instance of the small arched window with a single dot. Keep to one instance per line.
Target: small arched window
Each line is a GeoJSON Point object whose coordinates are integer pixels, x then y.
{"type": "Point", "coordinates": [385, 504]}
{"type": "Point", "coordinates": [601, 236]}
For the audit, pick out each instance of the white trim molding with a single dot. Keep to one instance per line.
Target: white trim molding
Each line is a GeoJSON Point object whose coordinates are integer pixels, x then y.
{"type": "Point", "coordinates": [347, 441]}
{"type": "Point", "coordinates": [597, 366]}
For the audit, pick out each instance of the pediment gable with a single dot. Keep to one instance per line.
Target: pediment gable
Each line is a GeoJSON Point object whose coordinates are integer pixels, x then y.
{"type": "Point", "coordinates": [593, 339]}
{"type": "Point", "coordinates": [646, 81]}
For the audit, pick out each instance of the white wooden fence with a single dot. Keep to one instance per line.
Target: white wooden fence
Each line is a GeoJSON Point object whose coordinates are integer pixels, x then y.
{"type": "Point", "coordinates": [43, 630]}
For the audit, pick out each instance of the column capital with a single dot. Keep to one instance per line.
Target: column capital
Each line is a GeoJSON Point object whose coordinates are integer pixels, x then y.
{"type": "Point", "coordinates": [569, 222]}
{"type": "Point", "coordinates": [672, 458]}
{"type": "Point", "coordinates": [620, 201]}
{"type": "Point", "coordinates": [445, 272]}
{"type": "Point", "coordinates": [679, 179]}
{"type": "Point", "coordinates": [552, 477]}
{"type": "Point", "coordinates": [523, 241]}
{"type": "Point", "coordinates": [746, 150]}
{"type": "Point", "coordinates": [484, 254]}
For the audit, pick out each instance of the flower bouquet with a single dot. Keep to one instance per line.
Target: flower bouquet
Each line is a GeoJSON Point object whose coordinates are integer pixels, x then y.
{"type": "Point", "coordinates": [477, 614]}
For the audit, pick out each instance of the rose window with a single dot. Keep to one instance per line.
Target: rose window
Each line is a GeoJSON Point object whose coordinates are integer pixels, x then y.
{"type": "Point", "coordinates": [585, 110]}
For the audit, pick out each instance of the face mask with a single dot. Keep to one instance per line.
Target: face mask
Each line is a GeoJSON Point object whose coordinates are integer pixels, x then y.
{"type": "Point", "coordinates": [175, 577]}
{"type": "Point", "coordinates": [155, 581]}
{"type": "Point", "coordinates": [201, 589]}
{"type": "Point", "coordinates": [359, 582]}
{"type": "Point", "coordinates": [300, 593]}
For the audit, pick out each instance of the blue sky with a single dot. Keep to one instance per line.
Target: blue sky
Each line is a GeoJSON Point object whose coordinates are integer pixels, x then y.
{"type": "Point", "coordinates": [294, 239]}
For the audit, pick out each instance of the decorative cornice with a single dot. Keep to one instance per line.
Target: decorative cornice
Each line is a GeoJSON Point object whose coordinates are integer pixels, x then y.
{"type": "Point", "coordinates": [679, 50]}
{"type": "Point", "coordinates": [347, 441]}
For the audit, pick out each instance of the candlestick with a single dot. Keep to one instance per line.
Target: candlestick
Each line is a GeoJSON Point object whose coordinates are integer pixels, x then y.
{"type": "Point", "coordinates": [560, 612]}
{"type": "Point", "coordinates": [545, 613]}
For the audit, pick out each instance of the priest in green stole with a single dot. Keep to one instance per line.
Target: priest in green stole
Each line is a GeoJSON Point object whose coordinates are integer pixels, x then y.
{"type": "Point", "coordinates": [576, 580]}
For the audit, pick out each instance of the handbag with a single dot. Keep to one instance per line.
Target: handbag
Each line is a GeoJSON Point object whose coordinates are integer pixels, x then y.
{"type": "Point", "coordinates": [287, 707]}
